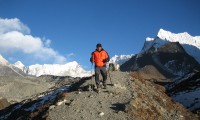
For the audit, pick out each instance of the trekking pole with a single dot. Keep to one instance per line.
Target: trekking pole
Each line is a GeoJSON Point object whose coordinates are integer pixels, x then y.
{"type": "Point", "coordinates": [90, 84]}
{"type": "Point", "coordinates": [91, 69]}
{"type": "Point", "coordinates": [110, 79]}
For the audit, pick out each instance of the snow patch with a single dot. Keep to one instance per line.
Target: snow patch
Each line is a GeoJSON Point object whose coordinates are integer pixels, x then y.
{"type": "Point", "coordinates": [190, 99]}
{"type": "Point", "coordinates": [149, 39]}
{"type": "Point", "coordinates": [175, 68]}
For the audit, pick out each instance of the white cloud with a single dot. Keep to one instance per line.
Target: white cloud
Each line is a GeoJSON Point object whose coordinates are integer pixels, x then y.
{"type": "Point", "coordinates": [7, 25]}
{"type": "Point", "coordinates": [15, 37]}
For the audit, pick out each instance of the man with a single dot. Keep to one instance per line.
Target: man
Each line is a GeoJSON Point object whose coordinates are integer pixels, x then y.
{"type": "Point", "coordinates": [100, 57]}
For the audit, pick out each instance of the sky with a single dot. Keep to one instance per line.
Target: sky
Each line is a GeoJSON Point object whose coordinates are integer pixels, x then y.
{"type": "Point", "coordinates": [61, 31]}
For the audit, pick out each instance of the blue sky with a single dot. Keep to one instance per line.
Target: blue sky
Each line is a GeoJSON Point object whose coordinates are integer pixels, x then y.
{"type": "Point", "coordinates": [74, 27]}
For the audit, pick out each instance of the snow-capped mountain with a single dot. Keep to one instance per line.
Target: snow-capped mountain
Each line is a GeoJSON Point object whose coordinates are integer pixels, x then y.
{"type": "Point", "coordinates": [120, 59]}
{"type": "Point", "coordinates": [190, 44]}
{"type": "Point", "coordinates": [7, 69]}
{"type": "Point", "coordinates": [19, 65]}
{"type": "Point", "coordinates": [72, 69]}
{"type": "Point", "coordinates": [3, 61]}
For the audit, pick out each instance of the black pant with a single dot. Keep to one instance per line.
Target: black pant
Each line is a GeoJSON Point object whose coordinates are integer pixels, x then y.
{"type": "Point", "coordinates": [103, 72]}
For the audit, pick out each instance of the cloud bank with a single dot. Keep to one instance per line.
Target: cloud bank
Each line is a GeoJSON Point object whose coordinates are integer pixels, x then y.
{"type": "Point", "coordinates": [16, 37]}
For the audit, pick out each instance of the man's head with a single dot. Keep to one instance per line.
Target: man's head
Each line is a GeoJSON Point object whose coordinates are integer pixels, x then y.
{"type": "Point", "coordinates": [99, 47]}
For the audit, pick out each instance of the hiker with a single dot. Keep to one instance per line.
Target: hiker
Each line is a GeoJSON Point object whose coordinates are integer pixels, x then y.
{"type": "Point", "coordinates": [100, 57]}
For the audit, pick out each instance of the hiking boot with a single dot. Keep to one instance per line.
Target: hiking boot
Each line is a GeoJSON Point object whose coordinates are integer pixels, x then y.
{"type": "Point", "coordinates": [98, 89]}
{"type": "Point", "coordinates": [104, 86]}
{"type": "Point", "coordinates": [98, 86]}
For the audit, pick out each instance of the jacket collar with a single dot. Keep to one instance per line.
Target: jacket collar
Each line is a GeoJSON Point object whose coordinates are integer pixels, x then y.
{"type": "Point", "coordinates": [99, 51]}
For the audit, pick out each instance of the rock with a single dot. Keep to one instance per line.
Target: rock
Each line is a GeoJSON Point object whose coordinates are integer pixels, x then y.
{"type": "Point", "coordinates": [52, 107]}
{"type": "Point", "coordinates": [60, 102]}
{"type": "Point", "coordinates": [120, 112]}
{"type": "Point", "coordinates": [101, 113]}
{"type": "Point", "coordinates": [90, 88]}
{"type": "Point", "coordinates": [90, 96]}
{"type": "Point", "coordinates": [3, 103]}
{"type": "Point", "coordinates": [78, 92]}
{"type": "Point", "coordinates": [110, 93]}
{"type": "Point", "coordinates": [72, 102]}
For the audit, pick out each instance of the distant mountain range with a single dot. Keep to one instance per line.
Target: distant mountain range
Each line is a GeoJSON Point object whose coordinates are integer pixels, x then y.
{"type": "Point", "coordinates": [72, 69]}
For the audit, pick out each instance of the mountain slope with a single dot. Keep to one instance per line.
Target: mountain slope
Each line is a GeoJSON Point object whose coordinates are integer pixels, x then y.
{"type": "Point", "coordinates": [186, 90]}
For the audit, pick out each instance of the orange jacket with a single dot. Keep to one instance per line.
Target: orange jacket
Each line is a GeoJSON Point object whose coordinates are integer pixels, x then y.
{"type": "Point", "coordinates": [100, 58]}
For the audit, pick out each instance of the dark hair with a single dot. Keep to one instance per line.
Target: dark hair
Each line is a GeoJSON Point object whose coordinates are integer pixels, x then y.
{"type": "Point", "coordinates": [98, 45]}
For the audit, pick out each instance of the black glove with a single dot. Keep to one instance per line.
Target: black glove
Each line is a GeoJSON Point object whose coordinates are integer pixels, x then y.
{"type": "Point", "coordinates": [105, 60]}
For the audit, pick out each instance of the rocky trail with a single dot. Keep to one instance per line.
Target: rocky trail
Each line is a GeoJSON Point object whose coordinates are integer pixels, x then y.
{"type": "Point", "coordinates": [131, 98]}
{"type": "Point", "coordinates": [89, 105]}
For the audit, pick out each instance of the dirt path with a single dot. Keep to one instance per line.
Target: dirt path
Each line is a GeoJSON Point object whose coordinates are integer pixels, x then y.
{"type": "Point", "coordinates": [89, 105]}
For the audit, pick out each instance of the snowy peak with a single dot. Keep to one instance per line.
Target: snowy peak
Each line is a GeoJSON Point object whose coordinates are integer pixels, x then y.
{"type": "Point", "coordinates": [3, 61]}
{"type": "Point", "coordinates": [120, 59]}
{"type": "Point", "coordinates": [19, 65]}
{"type": "Point", "coordinates": [189, 43]}
{"type": "Point", "coordinates": [182, 38]}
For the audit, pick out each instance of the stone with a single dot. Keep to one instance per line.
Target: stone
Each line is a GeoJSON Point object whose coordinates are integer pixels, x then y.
{"type": "Point", "coordinates": [52, 107]}
{"type": "Point", "coordinates": [4, 103]}
{"type": "Point", "coordinates": [101, 114]}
